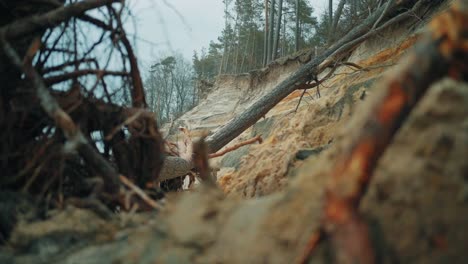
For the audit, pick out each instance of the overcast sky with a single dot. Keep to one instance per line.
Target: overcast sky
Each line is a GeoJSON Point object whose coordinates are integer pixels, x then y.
{"type": "Point", "coordinates": [165, 26]}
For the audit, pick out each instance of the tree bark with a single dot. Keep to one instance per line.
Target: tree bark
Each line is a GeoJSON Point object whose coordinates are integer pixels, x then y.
{"type": "Point", "coordinates": [29, 25]}
{"type": "Point", "coordinates": [297, 26]}
{"type": "Point", "coordinates": [278, 28]}
{"type": "Point", "coordinates": [271, 30]}
{"type": "Point", "coordinates": [330, 15]}
{"type": "Point", "coordinates": [336, 20]}
{"type": "Point", "coordinates": [265, 35]}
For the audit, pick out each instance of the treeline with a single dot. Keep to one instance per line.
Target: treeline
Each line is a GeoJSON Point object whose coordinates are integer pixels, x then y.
{"type": "Point", "coordinates": [257, 32]}
{"type": "Point", "coordinates": [170, 88]}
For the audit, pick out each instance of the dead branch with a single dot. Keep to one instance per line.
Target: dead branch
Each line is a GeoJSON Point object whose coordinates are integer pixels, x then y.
{"type": "Point", "coordinates": [354, 65]}
{"type": "Point", "coordinates": [354, 42]}
{"type": "Point", "coordinates": [127, 122]}
{"type": "Point", "coordinates": [308, 85]}
{"type": "Point", "coordinates": [444, 51]}
{"type": "Point", "coordinates": [138, 93]}
{"type": "Point", "coordinates": [384, 13]}
{"type": "Point", "coordinates": [140, 193]}
{"type": "Point", "coordinates": [72, 75]}
{"type": "Point", "coordinates": [67, 64]}
{"type": "Point", "coordinates": [29, 25]}
{"type": "Point", "coordinates": [241, 144]}
{"type": "Point", "coordinates": [76, 139]}
{"type": "Point", "coordinates": [312, 244]}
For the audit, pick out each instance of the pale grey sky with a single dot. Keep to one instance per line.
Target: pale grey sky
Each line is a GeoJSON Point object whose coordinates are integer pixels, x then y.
{"type": "Point", "coordinates": [179, 25]}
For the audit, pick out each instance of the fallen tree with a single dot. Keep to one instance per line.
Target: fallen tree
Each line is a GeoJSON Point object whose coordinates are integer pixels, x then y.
{"type": "Point", "coordinates": [385, 15]}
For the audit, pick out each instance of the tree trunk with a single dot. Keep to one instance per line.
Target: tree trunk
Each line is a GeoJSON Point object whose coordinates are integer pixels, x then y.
{"type": "Point", "coordinates": [265, 35]}
{"type": "Point", "coordinates": [330, 15]}
{"type": "Point", "coordinates": [336, 20]}
{"type": "Point", "coordinates": [271, 30]}
{"type": "Point", "coordinates": [284, 47]}
{"type": "Point", "coordinates": [278, 28]}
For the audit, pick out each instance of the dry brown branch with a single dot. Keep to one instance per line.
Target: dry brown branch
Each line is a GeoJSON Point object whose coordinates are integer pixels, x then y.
{"type": "Point", "coordinates": [384, 13]}
{"type": "Point", "coordinates": [67, 64]}
{"type": "Point", "coordinates": [140, 193]}
{"type": "Point", "coordinates": [29, 25]}
{"type": "Point", "coordinates": [232, 148]}
{"type": "Point", "coordinates": [307, 85]}
{"type": "Point", "coordinates": [96, 22]}
{"type": "Point", "coordinates": [72, 75]}
{"type": "Point", "coordinates": [138, 93]}
{"type": "Point", "coordinates": [354, 42]}
{"type": "Point", "coordinates": [354, 65]}
{"type": "Point", "coordinates": [443, 51]}
{"type": "Point", "coordinates": [312, 244]}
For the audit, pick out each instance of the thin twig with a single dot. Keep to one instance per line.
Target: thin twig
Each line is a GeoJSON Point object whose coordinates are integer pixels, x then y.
{"type": "Point", "coordinates": [241, 144]}
{"type": "Point", "coordinates": [71, 75]}
{"type": "Point", "coordinates": [29, 25]}
{"type": "Point", "coordinates": [300, 99]}
{"type": "Point", "coordinates": [312, 244]}
{"type": "Point", "coordinates": [140, 193]}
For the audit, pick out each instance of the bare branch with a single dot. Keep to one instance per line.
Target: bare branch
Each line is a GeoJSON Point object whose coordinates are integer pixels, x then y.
{"type": "Point", "coordinates": [29, 25]}
{"type": "Point", "coordinates": [71, 75]}
{"type": "Point", "coordinates": [76, 139]}
{"type": "Point", "coordinates": [66, 64]}
{"type": "Point", "coordinates": [241, 144]}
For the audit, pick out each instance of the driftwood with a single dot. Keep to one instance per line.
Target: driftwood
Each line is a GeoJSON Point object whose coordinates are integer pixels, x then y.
{"type": "Point", "coordinates": [30, 25]}
{"type": "Point", "coordinates": [310, 70]}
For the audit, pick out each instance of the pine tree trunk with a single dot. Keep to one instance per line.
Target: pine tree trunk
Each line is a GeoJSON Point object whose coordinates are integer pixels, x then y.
{"type": "Point", "coordinates": [265, 35]}
{"type": "Point", "coordinates": [297, 26]}
{"type": "Point", "coordinates": [336, 20]}
{"type": "Point", "coordinates": [278, 28]}
{"type": "Point", "coordinates": [271, 30]}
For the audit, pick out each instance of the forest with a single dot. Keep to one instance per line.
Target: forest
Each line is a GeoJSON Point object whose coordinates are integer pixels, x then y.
{"type": "Point", "coordinates": [294, 137]}
{"type": "Point", "coordinates": [255, 34]}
